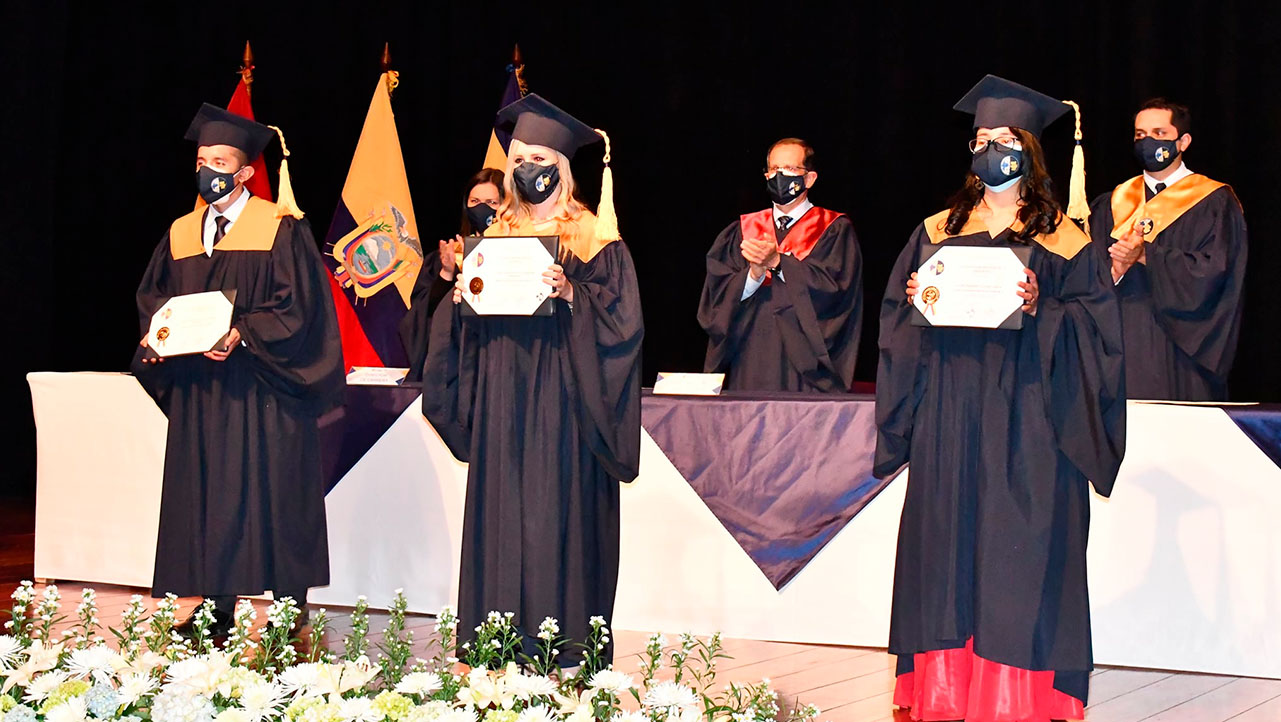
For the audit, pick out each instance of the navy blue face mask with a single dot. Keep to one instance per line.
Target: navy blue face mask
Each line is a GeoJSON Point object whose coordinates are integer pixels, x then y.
{"type": "Point", "coordinates": [997, 165]}
{"type": "Point", "coordinates": [214, 186]}
{"type": "Point", "coordinates": [536, 183]}
{"type": "Point", "coordinates": [1155, 155]}
{"type": "Point", "coordinates": [784, 189]}
{"type": "Point", "coordinates": [481, 216]}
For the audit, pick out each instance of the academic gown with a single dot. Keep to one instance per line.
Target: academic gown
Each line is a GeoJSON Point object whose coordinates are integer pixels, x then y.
{"type": "Point", "coordinates": [1002, 431]}
{"type": "Point", "coordinates": [415, 328]}
{"type": "Point", "coordinates": [1181, 311]}
{"type": "Point", "coordinates": [799, 332]}
{"type": "Point", "coordinates": [546, 412]}
{"type": "Point", "coordinates": [242, 505]}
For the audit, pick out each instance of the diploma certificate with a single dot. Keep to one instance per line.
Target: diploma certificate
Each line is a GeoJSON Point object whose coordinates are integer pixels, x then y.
{"type": "Point", "coordinates": [974, 286]}
{"type": "Point", "coordinates": [503, 275]}
{"type": "Point", "coordinates": [192, 323]}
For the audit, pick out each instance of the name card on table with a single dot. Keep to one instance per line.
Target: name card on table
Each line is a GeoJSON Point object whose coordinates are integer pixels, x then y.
{"type": "Point", "coordinates": [684, 384]}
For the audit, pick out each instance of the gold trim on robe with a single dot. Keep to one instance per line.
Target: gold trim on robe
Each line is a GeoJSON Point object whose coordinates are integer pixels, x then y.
{"type": "Point", "coordinates": [578, 237]}
{"type": "Point", "coordinates": [1131, 210]}
{"type": "Point", "coordinates": [1066, 241]}
{"type": "Point", "coordinates": [254, 230]}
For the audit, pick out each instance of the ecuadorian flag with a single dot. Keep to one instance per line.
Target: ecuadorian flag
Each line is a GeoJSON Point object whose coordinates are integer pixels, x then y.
{"type": "Point", "coordinates": [373, 247]}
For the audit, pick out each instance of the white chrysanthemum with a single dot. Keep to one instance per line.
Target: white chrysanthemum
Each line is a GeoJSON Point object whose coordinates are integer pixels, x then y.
{"type": "Point", "coordinates": [43, 686]}
{"type": "Point", "coordinates": [73, 710]}
{"type": "Point", "coordinates": [358, 709]}
{"type": "Point", "coordinates": [261, 700]}
{"type": "Point", "coordinates": [99, 661]}
{"type": "Point", "coordinates": [525, 686]}
{"type": "Point", "coordinates": [134, 686]}
{"type": "Point", "coordinates": [612, 681]}
{"type": "Point", "coordinates": [232, 714]}
{"type": "Point", "coordinates": [536, 714]}
{"type": "Point", "coordinates": [9, 651]}
{"type": "Point", "coordinates": [301, 679]}
{"type": "Point", "coordinates": [689, 715]}
{"type": "Point", "coordinates": [666, 695]}
{"type": "Point", "coordinates": [176, 704]}
{"type": "Point", "coordinates": [419, 683]}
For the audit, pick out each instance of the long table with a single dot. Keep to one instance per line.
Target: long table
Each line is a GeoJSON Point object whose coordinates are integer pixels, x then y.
{"type": "Point", "coordinates": [1184, 561]}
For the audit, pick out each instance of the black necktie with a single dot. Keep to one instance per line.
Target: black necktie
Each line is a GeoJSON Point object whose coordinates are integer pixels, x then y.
{"type": "Point", "coordinates": [1159, 187]}
{"type": "Point", "coordinates": [221, 230]}
{"type": "Point", "coordinates": [784, 222]}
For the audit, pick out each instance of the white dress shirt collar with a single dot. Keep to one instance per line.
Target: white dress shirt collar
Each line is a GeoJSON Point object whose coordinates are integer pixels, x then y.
{"type": "Point", "coordinates": [796, 213]}
{"type": "Point", "coordinates": [1179, 174]}
{"type": "Point", "coordinates": [231, 214]}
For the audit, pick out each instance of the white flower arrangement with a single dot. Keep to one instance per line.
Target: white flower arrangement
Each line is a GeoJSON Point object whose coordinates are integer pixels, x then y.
{"type": "Point", "coordinates": [263, 674]}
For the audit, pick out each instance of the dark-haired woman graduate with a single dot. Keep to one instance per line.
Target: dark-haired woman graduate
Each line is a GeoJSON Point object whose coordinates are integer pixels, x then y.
{"type": "Point", "coordinates": [481, 198]}
{"type": "Point", "coordinates": [1003, 431]}
{"type": "Point", "coordinates": [545, 409]}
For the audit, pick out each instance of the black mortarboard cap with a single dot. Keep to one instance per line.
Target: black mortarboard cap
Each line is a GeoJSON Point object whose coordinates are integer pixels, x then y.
{"type": "Point", "coordinates": [216, 126]}
{"type": "Point", "coordinates": [535, 121]}
{"type": "Point", "coordinates": [996, 102]}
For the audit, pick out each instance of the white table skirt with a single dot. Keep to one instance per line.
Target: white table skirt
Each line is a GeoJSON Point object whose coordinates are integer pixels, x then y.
{"type": "Point", "coordinates": [1184, 563]}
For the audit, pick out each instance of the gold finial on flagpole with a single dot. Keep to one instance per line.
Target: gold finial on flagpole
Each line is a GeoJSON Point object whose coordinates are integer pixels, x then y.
{"type": "Point", "coordinates": [393, 78]}
{"type": "Point", "coordinates": [247, 68]}
{"type": "Point", "coordinates": [518, 67]}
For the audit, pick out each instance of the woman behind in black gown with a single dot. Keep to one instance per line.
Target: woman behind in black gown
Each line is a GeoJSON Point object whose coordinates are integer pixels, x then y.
{"type": "Point", "coordinates": [545, 409]}
{"type": "Point", "coordinates": [484, 192]}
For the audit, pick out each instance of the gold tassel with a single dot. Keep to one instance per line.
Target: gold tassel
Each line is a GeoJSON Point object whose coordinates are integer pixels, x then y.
{"type": "Point", "coordinates": [285, 203]}
{"type": "Point", "coordinates": [1078, 202]}
{"type": "Point", "coordinates": [606, 217]}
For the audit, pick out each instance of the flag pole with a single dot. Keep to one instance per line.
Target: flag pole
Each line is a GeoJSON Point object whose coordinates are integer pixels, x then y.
{"type": "Point", "coordinates": [518, 67]}
{"type": "Point", "coordinates": [393, 78]}
{"type": "Point", "coordinates": [247, 69]}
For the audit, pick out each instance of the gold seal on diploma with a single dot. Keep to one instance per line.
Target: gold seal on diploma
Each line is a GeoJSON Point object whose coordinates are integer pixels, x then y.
{"type": "Point", "coordinates": [476, 286]}
{"type": "Point", "coordinates": [162, 334]}
{"type": "Point", "coordinates": [930, 296]}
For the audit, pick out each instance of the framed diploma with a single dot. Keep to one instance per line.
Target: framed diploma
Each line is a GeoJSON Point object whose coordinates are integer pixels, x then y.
{"type": "Point", "coordinates": [974, 286]}
{"type": "Point", "coordinates": [192, 323]}
{"type": "Point", "coordinates": [503, 275]}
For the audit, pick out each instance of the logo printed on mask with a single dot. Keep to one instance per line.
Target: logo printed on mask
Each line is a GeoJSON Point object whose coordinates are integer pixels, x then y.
{"type": "Point", "coordinates": [794, 188]}
{"type": "Point", "coordinates": [1162, 154]}
{"type": "Point", "coordinates": [218, 185]}
{"type": "Point", "coordinates": [1009, 165]}
{"type": "Point", "coordinates": [543, 181]}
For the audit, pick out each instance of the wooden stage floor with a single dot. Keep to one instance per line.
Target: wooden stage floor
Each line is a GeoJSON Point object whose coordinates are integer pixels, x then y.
{"type": "Point", "coordinates": [849, 684]}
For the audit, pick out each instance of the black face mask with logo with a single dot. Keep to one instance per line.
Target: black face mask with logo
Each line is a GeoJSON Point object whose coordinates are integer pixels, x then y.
{"type": "Point", "coordinates": [481, 216]}
{"type": "Point", "coordinates": [536, 183]}
{"type": "Point", "coordinates": [1155, 155]}
{"type": "Point", "coordinates": [214, 186]}
{"type": "Point", "coordinates": [996, 165]}
{"type": "Point", "coordinates": [784, 189]}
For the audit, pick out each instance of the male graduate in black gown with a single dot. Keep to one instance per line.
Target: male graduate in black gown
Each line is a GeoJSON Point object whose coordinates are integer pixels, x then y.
{"type": "Point", "coordinates": [783, 300]}
{"type": "Point", "coordinates": [242, 509]}
{"type": "Point", "coordinates": [1176, 241]}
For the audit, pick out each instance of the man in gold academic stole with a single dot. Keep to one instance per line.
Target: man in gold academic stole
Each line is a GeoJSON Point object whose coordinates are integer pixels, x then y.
{"type": "Point", "coordinates": [782, 302]}
{"type": "Point", "coordinates": [242, 506]}
{"type": "Point", "coordinates": [1176, 241]}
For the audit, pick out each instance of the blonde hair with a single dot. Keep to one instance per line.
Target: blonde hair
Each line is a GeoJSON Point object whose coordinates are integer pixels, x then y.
{"type": "Point", "coordinates": [515, 211]}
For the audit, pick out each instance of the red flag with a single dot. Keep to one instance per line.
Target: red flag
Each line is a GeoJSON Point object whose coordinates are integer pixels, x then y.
{"type": "Point", "coordinates": [241, 106]}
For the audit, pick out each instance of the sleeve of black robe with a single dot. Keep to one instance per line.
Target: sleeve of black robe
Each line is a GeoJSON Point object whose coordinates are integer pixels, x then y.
{"type": "Point", "coordinates": [722, 312]}
{"type": "Point", "coordinates": [449, 379]}
{"type": "Point", "coordinates": [415, 327]}
{"type": "Point", "coordinates": [1078, 328]}
{"type": "Point", "coordinates": [153, 291]}
{"type": "Point", "coordinates": [604, 333]}
{"type": "Point", "coordinates": [293, 336]}
{"type": "Point", "coordinates": [898, 374]}
{"type": "Point", "coordinates": [825, 295]}
{"type": "Point", "coordinates": [1196, 283]}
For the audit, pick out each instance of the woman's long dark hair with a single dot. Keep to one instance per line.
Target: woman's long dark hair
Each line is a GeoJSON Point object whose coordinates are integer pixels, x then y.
{"type": "Point", "coordinates": [1038, 212]}
{"type": "Point", "coordinates": [486, 175]}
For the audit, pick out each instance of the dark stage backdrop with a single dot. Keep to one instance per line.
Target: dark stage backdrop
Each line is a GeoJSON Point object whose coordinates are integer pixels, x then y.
{"type": "Point", "coordinates": [97, 96]}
